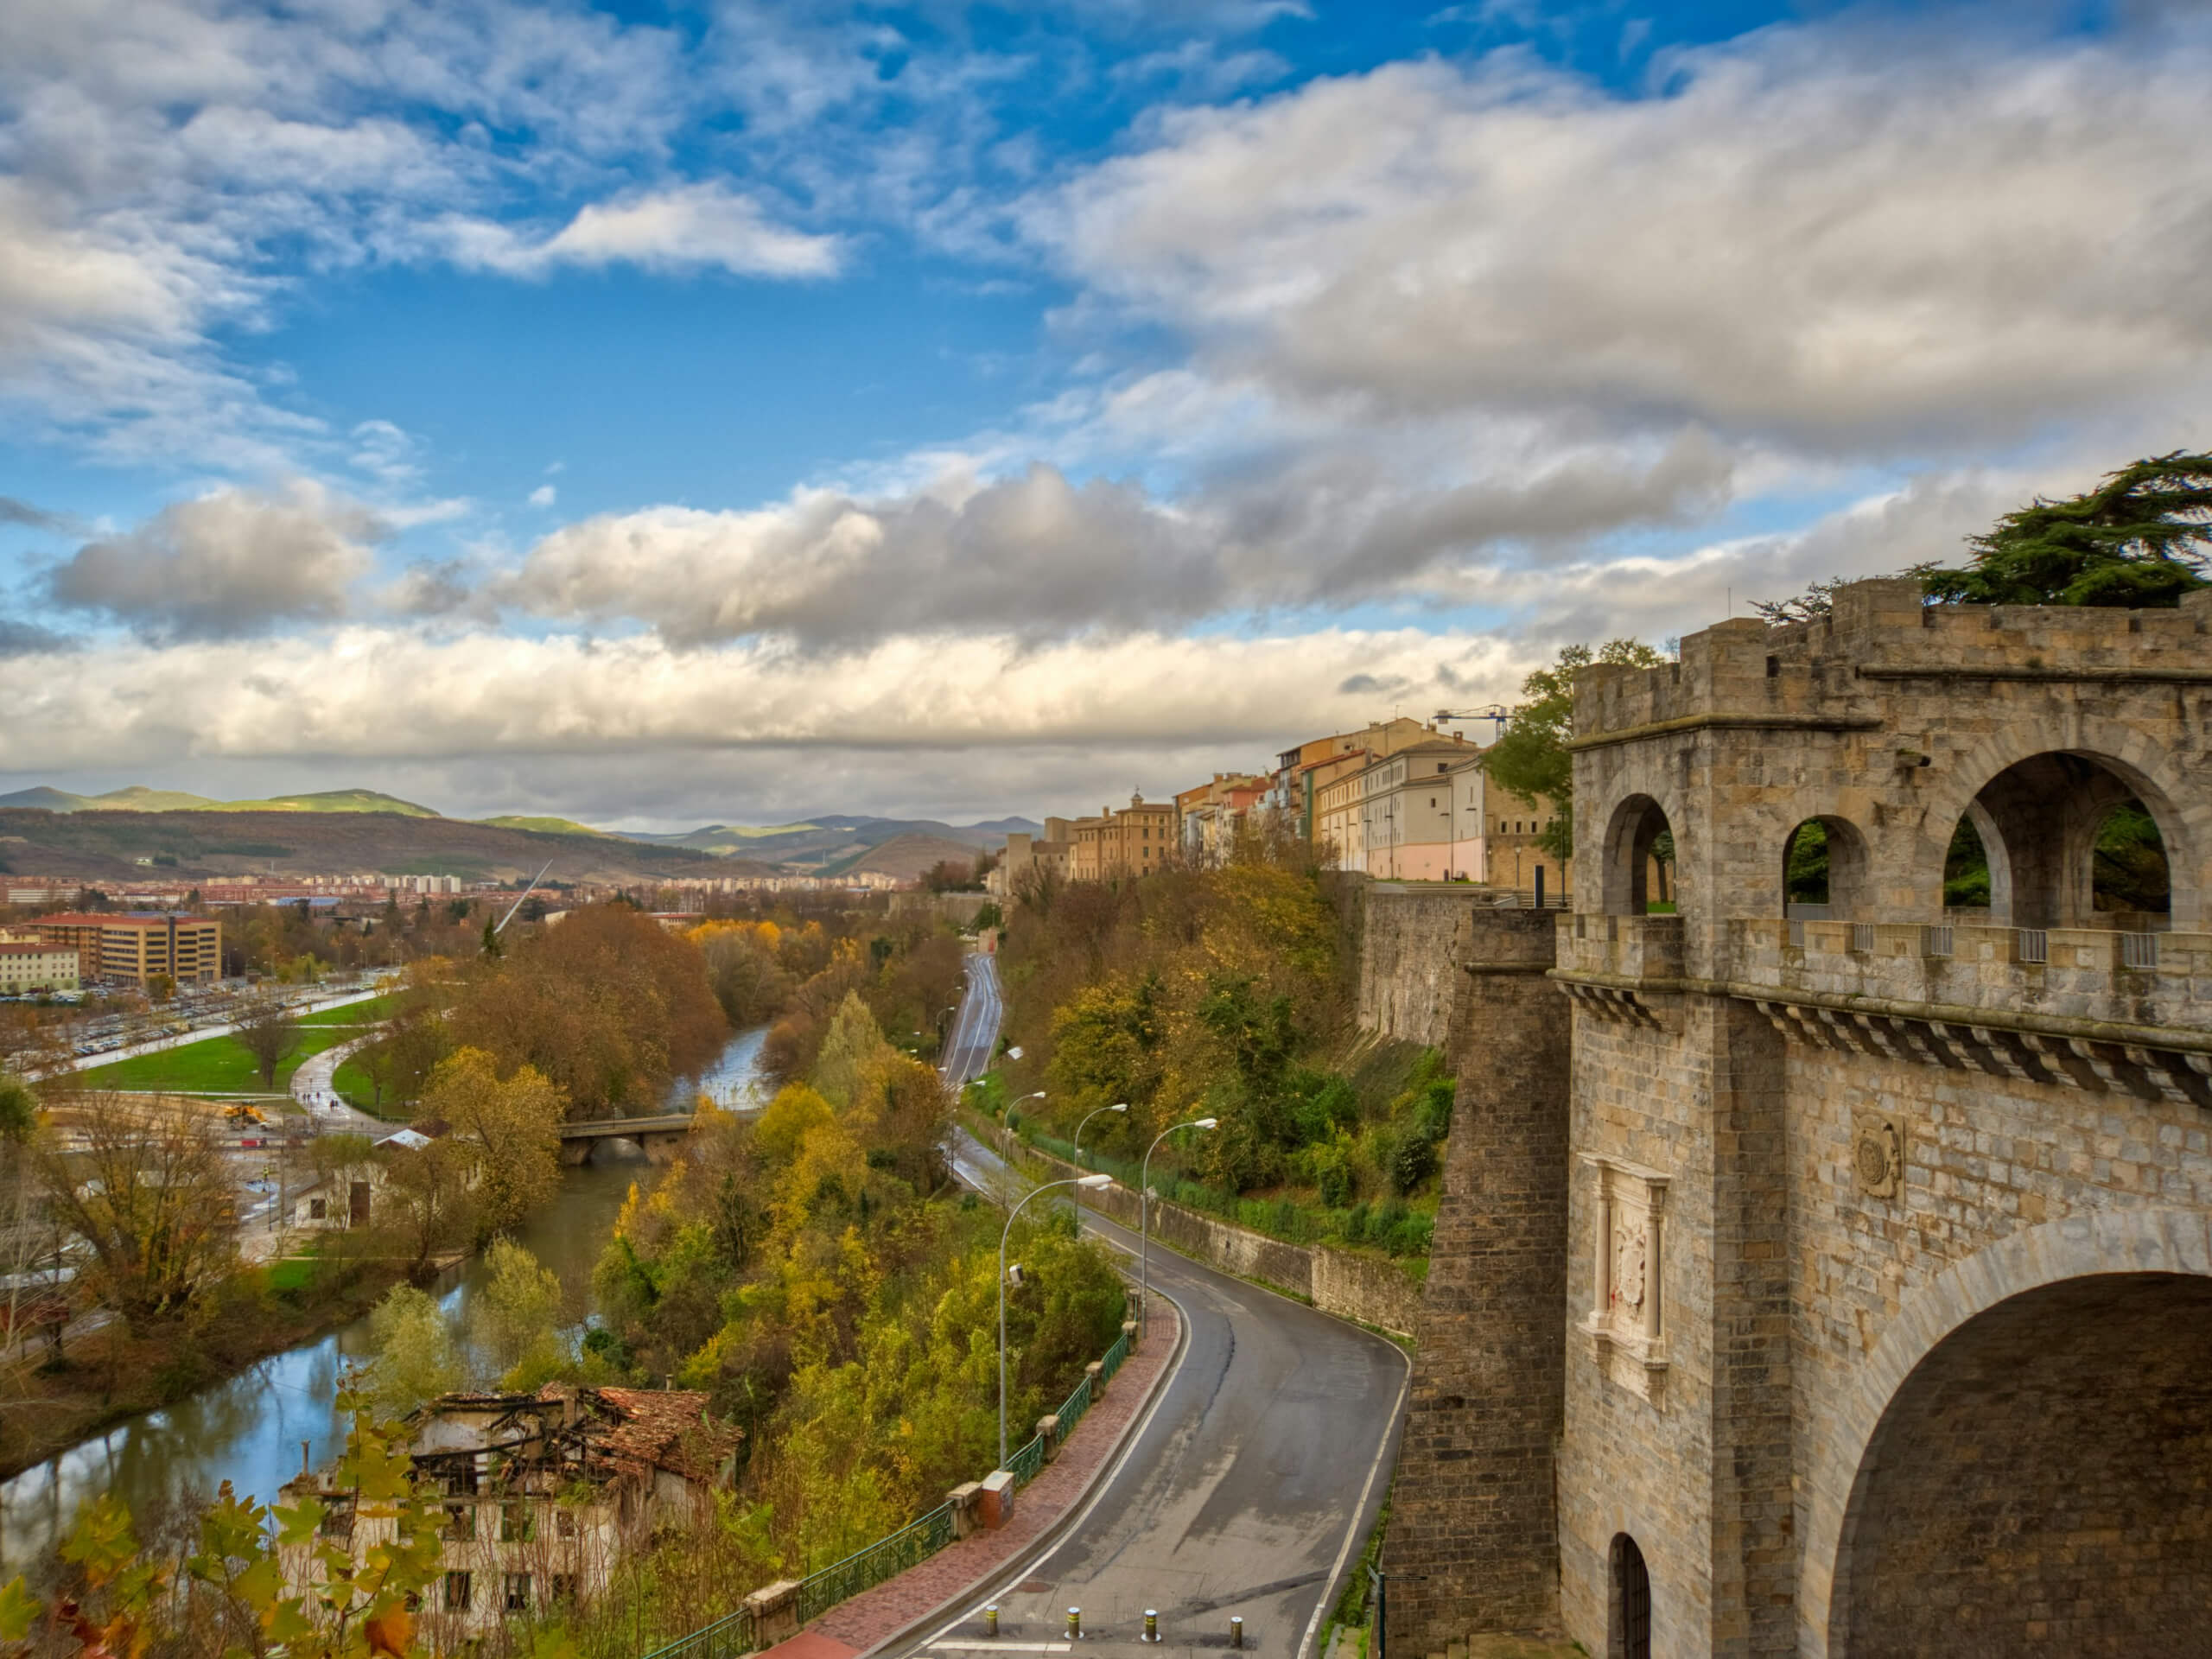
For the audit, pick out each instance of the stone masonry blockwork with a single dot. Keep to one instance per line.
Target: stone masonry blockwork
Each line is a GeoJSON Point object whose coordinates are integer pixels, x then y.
{"type": "Point", "coordinates": [1853, 1265]}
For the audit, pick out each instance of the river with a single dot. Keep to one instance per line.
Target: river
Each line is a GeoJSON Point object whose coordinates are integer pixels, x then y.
{"type": "Point", "coordinates": [247, 1430]}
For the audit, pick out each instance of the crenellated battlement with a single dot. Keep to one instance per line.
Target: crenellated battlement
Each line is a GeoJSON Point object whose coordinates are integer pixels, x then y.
{"type": "Point", "coordinates": [1834, 670]}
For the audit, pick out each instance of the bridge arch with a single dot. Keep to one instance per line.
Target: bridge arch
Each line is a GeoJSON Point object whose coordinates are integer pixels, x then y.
{"type": "Point", "coordinates": [2029, 1434]}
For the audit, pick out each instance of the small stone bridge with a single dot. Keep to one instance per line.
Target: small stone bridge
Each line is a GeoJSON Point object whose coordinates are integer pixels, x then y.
{"type": "Point", "coordinates": [658, 1136]}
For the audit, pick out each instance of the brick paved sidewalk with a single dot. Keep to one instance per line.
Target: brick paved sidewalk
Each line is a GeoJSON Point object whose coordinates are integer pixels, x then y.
{"type": "Point", "coordinates": [853, 1627]}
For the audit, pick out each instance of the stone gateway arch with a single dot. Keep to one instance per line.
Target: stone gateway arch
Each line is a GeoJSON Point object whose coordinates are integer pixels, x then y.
{"type": "Point", "coordinates": [1825, 1261]}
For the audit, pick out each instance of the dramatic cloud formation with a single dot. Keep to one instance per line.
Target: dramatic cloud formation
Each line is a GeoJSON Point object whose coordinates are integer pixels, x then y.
{"type": "Point", "coordinates": [1164, 381]}
{"type": "Point", "coordinates": [1831, 238]}
{"type": "Point", "coordinates": [227, 565]}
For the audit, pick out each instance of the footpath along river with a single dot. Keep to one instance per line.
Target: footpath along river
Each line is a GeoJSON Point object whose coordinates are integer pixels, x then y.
{"type": "Point", "coordinates": [247, 1430]}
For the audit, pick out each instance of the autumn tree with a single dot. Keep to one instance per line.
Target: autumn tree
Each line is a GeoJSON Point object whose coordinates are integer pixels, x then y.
{"type": "Point", "coordinates": [149, 1191]}
{"type": "Point", "coordinates": [515, 1316]}
{"type": "Point", "coordinates": [610, 1006]}
{"type": "Point", "coordinates": [267, 1031]}
{"type": "Point", "coordinates": [512, 1125]}
{"type": "Point", "coordinates": [412, 1356]}
{"type": "Point", "coordinates": [1530, 757]}
{"type": "Point", "coordinates": [429, 1197]}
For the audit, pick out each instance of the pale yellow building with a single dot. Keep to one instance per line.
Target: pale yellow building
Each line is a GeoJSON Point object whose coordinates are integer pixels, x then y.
{"type": "Point", "coordinates": [134, 945]}
{"type": "Point", "coordinates": [35, 965]}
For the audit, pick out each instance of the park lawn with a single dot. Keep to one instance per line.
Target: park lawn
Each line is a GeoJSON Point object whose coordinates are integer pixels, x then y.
{"type": "Point", "coordinates": [375, 1011]}
{"type": "Point", "coordinates": [356, 1091]}
{"type": "Point", "coordinates": [215, 1065]}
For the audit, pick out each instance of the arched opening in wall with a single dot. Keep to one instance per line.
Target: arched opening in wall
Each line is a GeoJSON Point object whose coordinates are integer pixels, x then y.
{"type": "Point", "coordinates": [1639, 860]}
{"type": "Point", "coordinates": [1628, 1623]}
{"type": "Point", "coordinates": [2128, 877]}
{"type": "Point", "coordinates": [1824, 870]}
{"type": "Point", "coordinates": [2038, 1483]}
{"type": "Point", "coordinates": [2061, 840]}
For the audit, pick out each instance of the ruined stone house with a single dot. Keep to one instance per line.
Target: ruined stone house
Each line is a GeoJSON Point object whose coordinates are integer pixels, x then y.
{"type": "Point", "coordinates": [543, 1493]}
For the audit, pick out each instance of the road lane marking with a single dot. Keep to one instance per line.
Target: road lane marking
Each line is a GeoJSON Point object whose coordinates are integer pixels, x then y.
{"type": "Point", "coordinates": [999, 1647]}
{"type": "Point", "coordinates": [1352, 1533]}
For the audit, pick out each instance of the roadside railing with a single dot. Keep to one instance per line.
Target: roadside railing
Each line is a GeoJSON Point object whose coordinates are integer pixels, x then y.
{"type": "Point", "coordinates": [726, 1638]}
{"type": "Point", "coordinates": [864, 1569]}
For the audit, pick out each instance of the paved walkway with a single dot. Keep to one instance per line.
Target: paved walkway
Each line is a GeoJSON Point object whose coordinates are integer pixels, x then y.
{"type": "Point", "coordinates": [854, 1626]}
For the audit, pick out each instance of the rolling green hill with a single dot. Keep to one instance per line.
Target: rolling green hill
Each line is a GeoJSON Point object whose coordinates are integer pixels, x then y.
{"type": "Point", "coordinates": [136, 797]}
{"type": "Point", "coordinates": [544, 826]}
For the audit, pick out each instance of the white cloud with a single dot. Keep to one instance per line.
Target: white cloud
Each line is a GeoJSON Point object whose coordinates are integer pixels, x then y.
{"type": "Point", "coordinates": [686, 227]}
{"type": "Point", "coordinates": [231, 563]}
{"type": "Point", "coordinates": [389, 694]}
{"type": "Point", "coordinates": [1826, 237]}
{"type": "Point", "coordinates": [543, 496]}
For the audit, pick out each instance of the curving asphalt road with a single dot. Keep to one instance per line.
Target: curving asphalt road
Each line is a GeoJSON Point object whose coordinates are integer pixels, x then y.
{"type": "Point", "coordinates": [1248, 1490]}
{"type": "Point", "coordinates": [970, 1046]}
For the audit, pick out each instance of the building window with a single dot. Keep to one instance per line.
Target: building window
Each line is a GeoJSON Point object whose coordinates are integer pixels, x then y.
{"type": "Point", "coordinates": [461, 1482]}
{"type": "Point", "coordinates": [518, 1593]}
{"type": "Point", "coordinates": [317, 1209]}
{"type": "Point", "coordinates": [564, 1523]}
{"type": "Point", "coordinates": [514, 1525]}
{"type": "Point", "coordinates": [458, 1588]}
{"type": "Point", "coordinates": [564, 1586]}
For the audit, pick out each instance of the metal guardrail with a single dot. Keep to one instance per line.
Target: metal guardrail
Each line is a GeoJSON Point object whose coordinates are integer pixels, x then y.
{"type": "Point", "coordinates": [2139, 950]}
{"type": "Point", "coordinates": [1862, 938]}
{"type": "Point", "coordinates": [2034, 944]}
{"type": "Point", "coordinates": [1070, 1412]}
{"type": "Point", "coordinates": [866, 1568]}
{"type": "Point", "coordinates": [726, 1638]}
{"type": "Point", "coordinates": [1936, 939]}
{"type": "Point", "coordinates": [1110, 1361]}
{"type": "Point", "coordinates": [1025, 1460]}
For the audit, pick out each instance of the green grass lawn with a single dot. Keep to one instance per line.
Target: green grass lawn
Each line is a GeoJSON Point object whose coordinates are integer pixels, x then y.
{"type": "Point", "coordinates": [373, 1012]}
{"type": "Point", "coordinates": [215, 1065]}
{"type": "Point", "coordinates": [354, 1087]}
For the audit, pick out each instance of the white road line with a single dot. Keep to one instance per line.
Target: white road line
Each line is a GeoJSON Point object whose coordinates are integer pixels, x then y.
{"type": "Point", "coordinates": [999, 1647]}
{"type": "Point", "coordinates": [1352, 1533]}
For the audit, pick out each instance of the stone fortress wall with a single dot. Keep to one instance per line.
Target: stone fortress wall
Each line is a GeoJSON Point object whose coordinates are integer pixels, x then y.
{"type": "Point", "coordinates": [1860, 1263]}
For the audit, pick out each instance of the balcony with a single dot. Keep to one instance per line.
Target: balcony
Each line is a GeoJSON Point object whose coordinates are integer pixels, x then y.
{"type": "Point", "coordinates": [1621, 947]}
{"type": "Point", "coordinates": [2138, 980]}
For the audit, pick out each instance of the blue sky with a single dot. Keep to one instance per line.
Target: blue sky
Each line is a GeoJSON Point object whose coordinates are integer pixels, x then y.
{"type": "Point", "coordinates": [662, 414]}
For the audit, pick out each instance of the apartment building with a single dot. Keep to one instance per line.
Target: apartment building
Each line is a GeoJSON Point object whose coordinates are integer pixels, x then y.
{"type": "Point", "coordinates": [134, 945]}
{"type": "Point", "coordinates": [1137, 840]}
{"type": "Point", "coordinates": [1293, 791]}
{"type": "Point", "coordinates": [35, 965]}
{"type": "Point", "coordinates": [1210, 814]}
{"type": "Point", "coordinates": [1430, 813]}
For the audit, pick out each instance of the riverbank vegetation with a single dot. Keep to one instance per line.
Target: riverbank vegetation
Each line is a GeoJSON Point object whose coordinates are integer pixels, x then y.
{"type": "Point", "coordinates": [1221, 993]}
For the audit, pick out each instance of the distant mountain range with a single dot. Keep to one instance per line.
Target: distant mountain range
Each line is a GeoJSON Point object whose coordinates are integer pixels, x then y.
{"type": "Point", "coordinates": [832, 844]}
{"type": "Point", "coordinates": [139, 798]}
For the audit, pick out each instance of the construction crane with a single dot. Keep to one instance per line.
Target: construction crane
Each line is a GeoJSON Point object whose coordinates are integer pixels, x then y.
{"type": "Point", "coordinates": [1497, 714]}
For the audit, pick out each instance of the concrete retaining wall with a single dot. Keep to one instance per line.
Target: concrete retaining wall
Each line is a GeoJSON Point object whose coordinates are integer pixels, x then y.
{"type": "Point", "coordinates": [1375, 1292]}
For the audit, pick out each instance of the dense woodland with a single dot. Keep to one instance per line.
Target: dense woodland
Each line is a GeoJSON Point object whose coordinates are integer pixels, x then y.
{"type": "Point", "coordinates": [1223, 993]}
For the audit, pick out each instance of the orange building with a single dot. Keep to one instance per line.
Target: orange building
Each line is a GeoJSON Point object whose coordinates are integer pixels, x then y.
{"type": "Point", "coordinates": [1136, 841]}
{"type": "Point", "coordinates": [134, 945]}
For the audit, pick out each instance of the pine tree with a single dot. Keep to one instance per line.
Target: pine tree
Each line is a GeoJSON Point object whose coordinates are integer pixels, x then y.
{"type": "Point", "coordinates": [2135, 541]}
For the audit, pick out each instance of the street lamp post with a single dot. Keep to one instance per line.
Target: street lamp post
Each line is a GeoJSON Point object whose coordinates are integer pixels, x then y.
{"type": "Point", "coordinates": [1091, 1182]}
{"type": "Point", "coordinates": [1144, 1236]}
{"type": "Point", "coordinates": [1118, 1106]}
